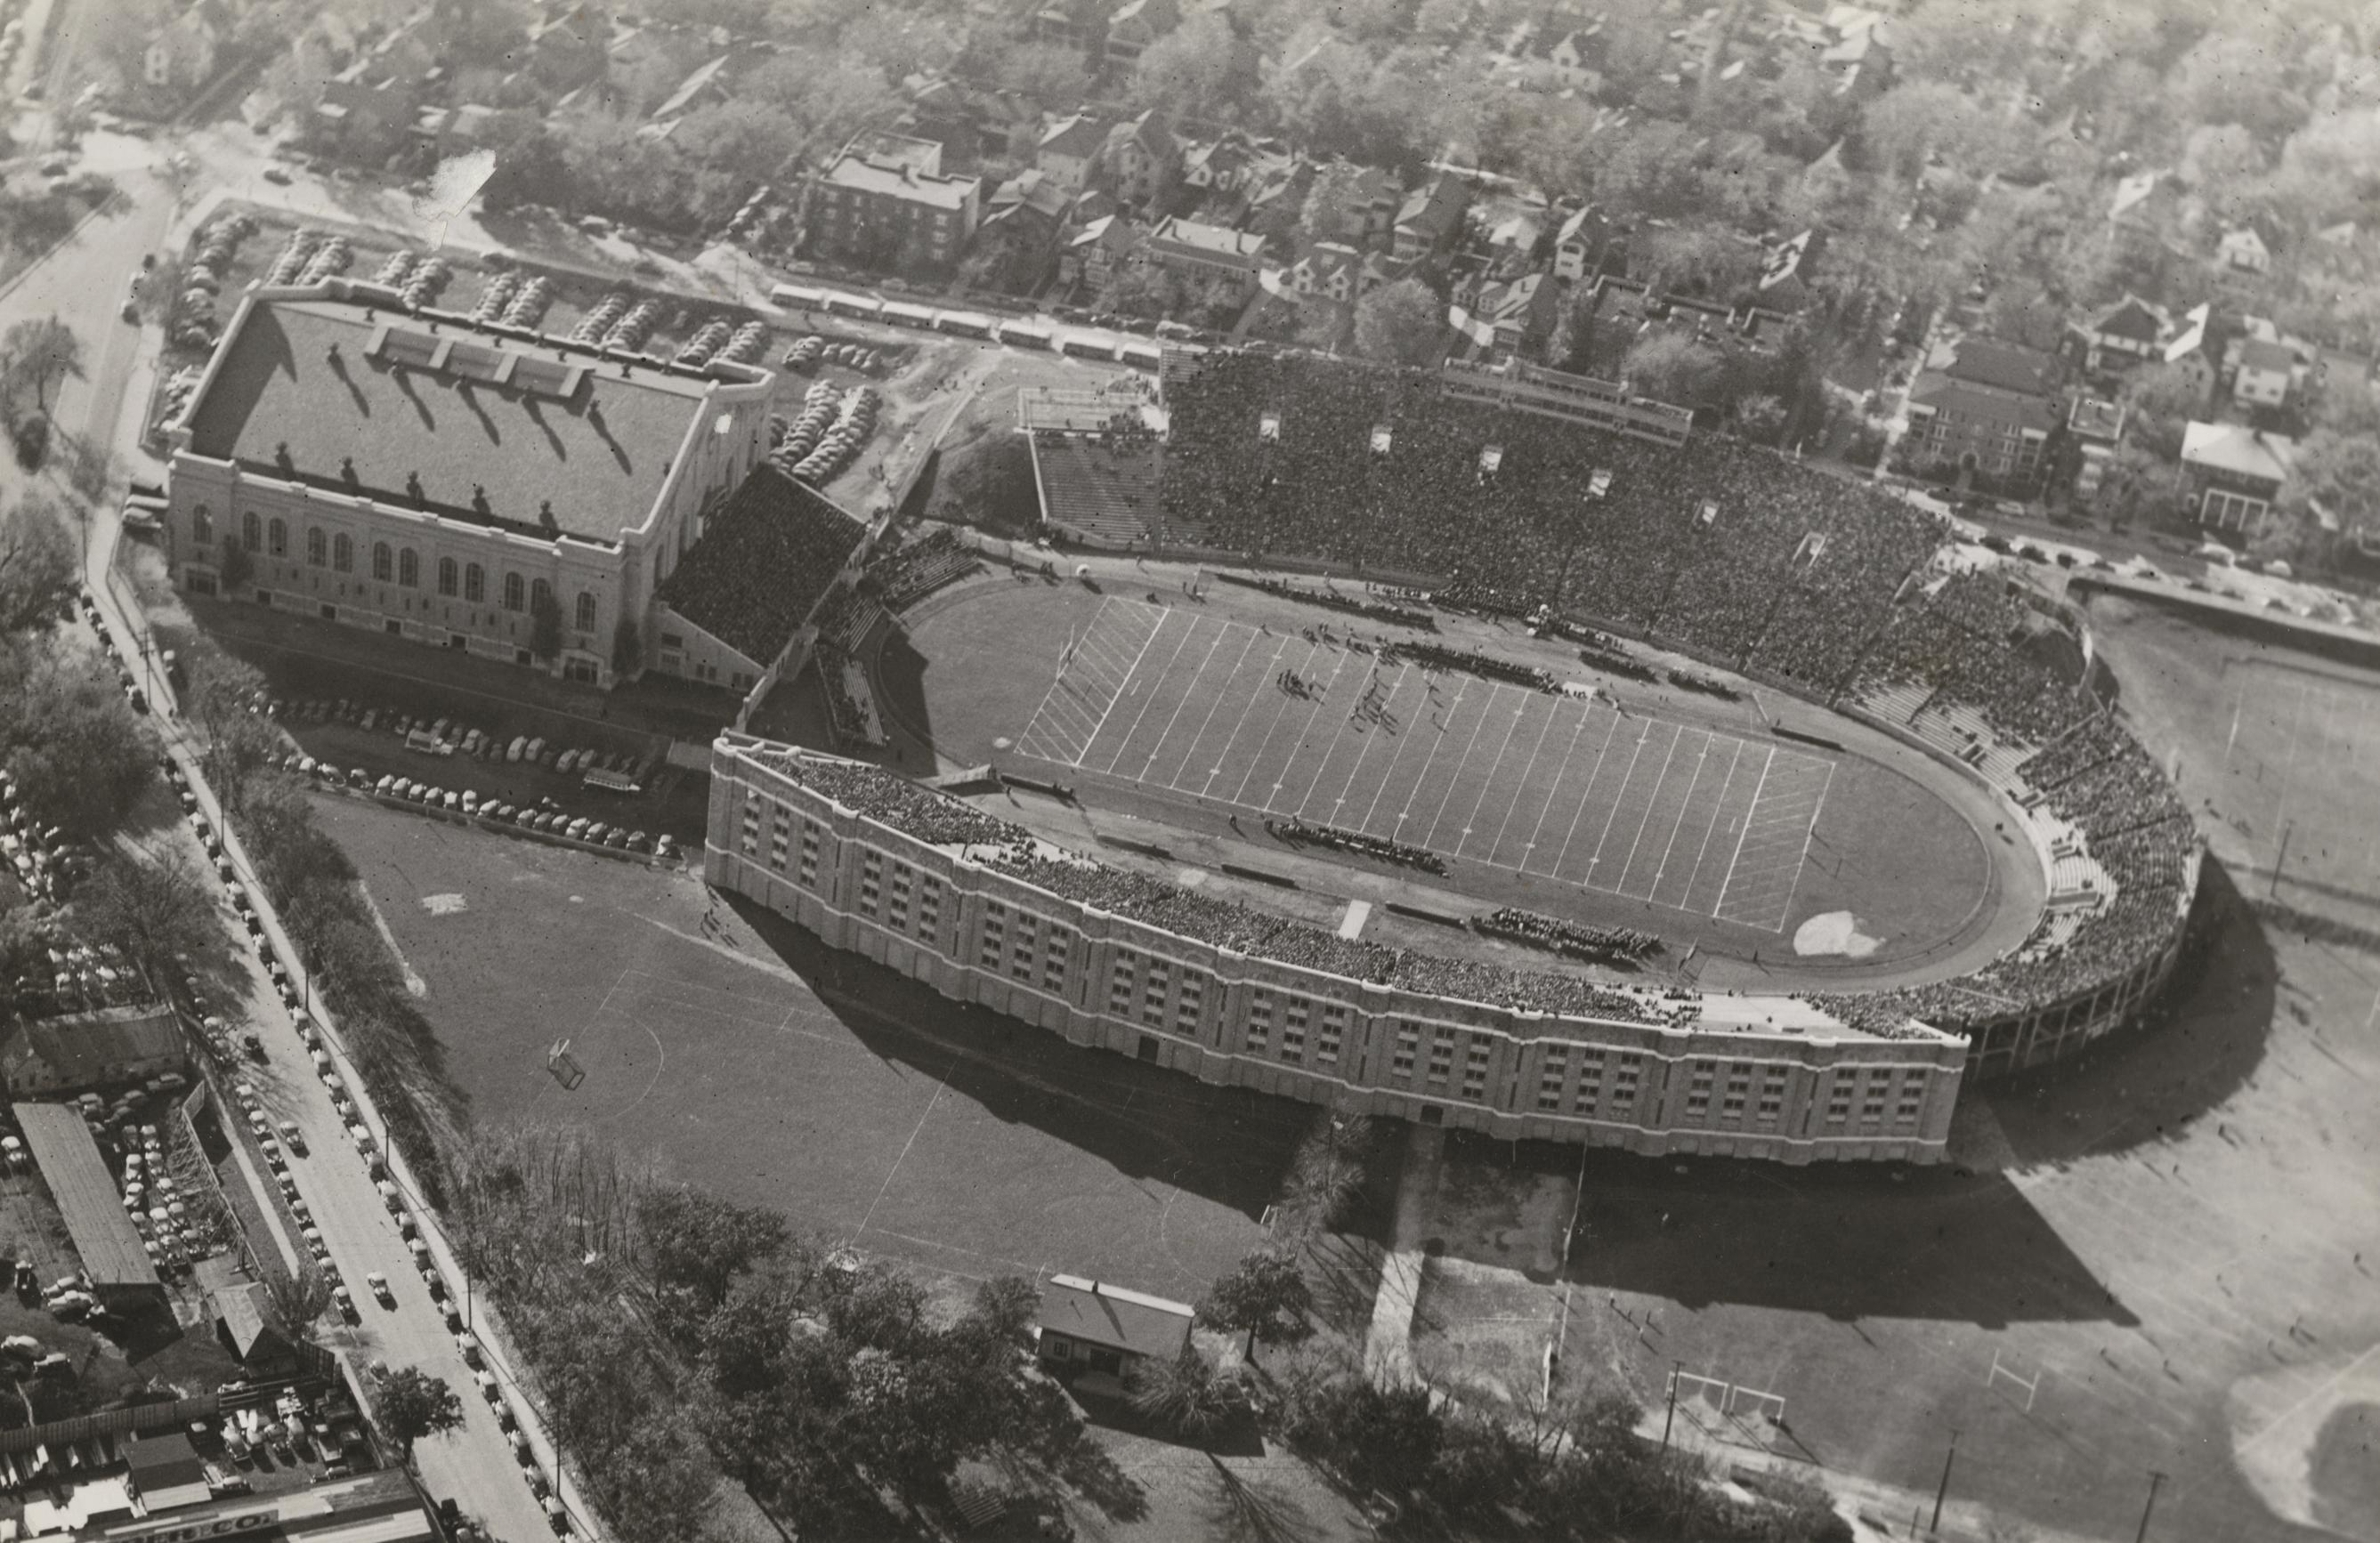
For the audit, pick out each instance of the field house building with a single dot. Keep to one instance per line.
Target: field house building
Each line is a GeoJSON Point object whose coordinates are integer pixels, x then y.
{"type": "Point", "coordinates": [414, 473]}
{"type": "Point", "coordinates": [1770, 1077]}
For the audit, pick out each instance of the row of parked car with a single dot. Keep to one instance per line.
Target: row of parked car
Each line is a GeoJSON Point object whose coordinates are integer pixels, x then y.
{"type": "Point", "coordinates": [448, 737]}
{"type": "Point", "coordinates": [542, 817]}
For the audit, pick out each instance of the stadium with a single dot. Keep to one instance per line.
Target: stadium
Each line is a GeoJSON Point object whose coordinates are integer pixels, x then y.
{"type": "Point", "coordinates": [1586, 602]}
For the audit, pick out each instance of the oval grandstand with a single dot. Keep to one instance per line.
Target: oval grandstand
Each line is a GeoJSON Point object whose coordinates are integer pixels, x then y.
{"type": "Point", "coordinates": [1839, 592]}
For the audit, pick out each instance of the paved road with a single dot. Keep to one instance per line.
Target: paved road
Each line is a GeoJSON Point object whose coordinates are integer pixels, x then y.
{"type": "Point", "coordinates": [83, 284]}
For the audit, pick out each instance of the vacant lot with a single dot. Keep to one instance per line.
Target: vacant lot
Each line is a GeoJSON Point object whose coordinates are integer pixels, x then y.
{"type": "Point", "coordinates": [744, 1060]}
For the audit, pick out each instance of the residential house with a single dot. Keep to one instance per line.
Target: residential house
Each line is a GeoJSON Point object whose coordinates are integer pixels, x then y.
{"type": "Point", "coordinates": [969, 122]}
{"type": "Point", "coordinates": [1785, 268]}
{"type": "Point", "coordinates": [1022, 223]}
{"type": "Point", "coordinates": [1195, 251]}
{"type": "Point", "coordinates": [2232, 475]}
{"type": "Point", "coordinates": [1091, 1334]}
{"type": "Point", "coordinates": [705, 84]}
{"type": "Point", "coordinates": [570, 49]}
{"type": "Point", "coordinates": [78, 1052]}
{"type": "Point", "coordinates": [1068, 147]}
{"type": "Point", "coordinates": [2242, 252]}
{"type": "Point", "coordinates": [1080, 25]}
{"type": "Point", "coordinates": [2144, 216]}
{"type": "Point", "coordinates": [1332, 270]}
{"type": "Point", "coordinates": [1519, 314]}
{"type": "Point", "coordinates": [1275, 196]}
{"type": "Point", "coordinates": [1094, 255]}
{"type": "Point", "coordinates": [2130, 332]}
{"type": "Point", "coordinates": [1233, 162]}
{"type": "Point", "coordinates": [2096, 427]}
{"type": "Point", "coordinates": [1430, 219]}
{"type": "Point", "coordinates": [1136, 25]}
{"type": "Point", "coordinates": [894, 213]}
{"type": "Point", "coordinates": [1140, 160]}
{"type": "Point", "coordinates": [2263, 372]}
{"type": "Point", "coordinates": [1369, 212]}
{"type": "Point", "coordinates": [1580, 243]}
{"type": "Point", "coordinates": [1858, 51]}
{"type": "Point", "coordinates": [1984, 405]}
{"type": "Point", "coordinates": [1575, 58]}
{"type": "Point", "coordinates": [180, 56]}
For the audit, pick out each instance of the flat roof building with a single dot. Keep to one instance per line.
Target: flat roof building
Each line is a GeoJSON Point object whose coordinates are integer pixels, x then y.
{"type": "Point", "coordinates": [112, 1251]}
{"type": "Point", "coordinates": [417, 474]}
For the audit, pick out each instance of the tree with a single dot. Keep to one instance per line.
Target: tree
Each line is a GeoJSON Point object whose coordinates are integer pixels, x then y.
{"type": "Point", "coordinates": [38, 354]}
{"type": "Point", "coordinates": [544, 620]}
{"type": "Point", "coordinates": [413, 1404]}
{"type": "Point", "coordinates": [2340, 472]}
{"type": "Point", "coordinates": [698, 1243]}
{"type": "Point", "coordinates": [1198, 69]}
{"type": "Point", "coordinates": [149, 909]}
{"type": "Point", "coordinates": [75, 749]}
{"type": "Point", "coordinates": [1760, 416]}
{"type": "Point", "coordinates": [1400, 323]}
{"type": "Point", "coordinates": [295, 1303]}
{"type": "Point", "coordinates": [1671, 367]}
{"type": "Point", "coordinates": [2159, 401]}
{"type": "Point", "coordinates": [1039, 72]}
{"type": "Point", "coordinates": [37, 565]}
{"type": "Point", "coordinates": [1185, 1394]}
{"type": "Point", "coordinates": [1330, 200]}
{"type": "Point", "coordinates": [1265, 1297]}
{"type": "Point", "coordinates": [751, 140]}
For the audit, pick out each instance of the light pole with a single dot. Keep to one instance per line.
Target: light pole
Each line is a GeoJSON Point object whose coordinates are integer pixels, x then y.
{"type": "Point", "coordinates": [2156, 1478]}
{"type": "Point", "coordinates": [1936, 1525]}
{"type": "Point", "coordinates": [1668, 1419]}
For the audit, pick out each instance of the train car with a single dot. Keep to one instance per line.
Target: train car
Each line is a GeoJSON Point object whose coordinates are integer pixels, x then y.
{"type": "Point", "coordinates": [1026, 335]}
{"type": "Point", "coordinates": [1140, 355]}
{"type": "Point", "coordinates": [901, 313]}
{"type": "Point", "coordinates": [798, 297]}
{"type": "Point", "coordinates": [964, 324]}
{"type": "Point", "coordinates": [1087, 345]}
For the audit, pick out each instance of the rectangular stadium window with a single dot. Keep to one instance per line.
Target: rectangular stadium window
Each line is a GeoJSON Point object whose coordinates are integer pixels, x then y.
{"type": "Point", "coordinates": [1441, 1056]}
{"type": "Point", "coordinates": [929, 905]}
{"type": "Point", "coordinates": [1189, 1001]}
{"type": "Point", "coordinates": [995, 932]}
{"type": "Point", "coordinates": [1260, 1019]}
{"type": "Point", "coordinates": [1053, 961]}
{"type": "Point", "coordinates": [872, 881]}
{"type": "Point", "coordinates": [1292, 1028]}
{"type": "Point", "coordinates": [1400, 1063]}
{"type": "Point", "coordinates": [1155, 988]}
{"type": "Point", "coordinates": [1474, 1068]}
{"type": "Point", "coordinates": [1590, 1083]}
{"type": "Point", "coordinates": [1553, 1070]}
{"type": "Point", "coordinates": [1333, 1031]}
{"type": "Point", "coordinates": [1120, 983]}
{"type": "Point", "coordinates": [810, 830]}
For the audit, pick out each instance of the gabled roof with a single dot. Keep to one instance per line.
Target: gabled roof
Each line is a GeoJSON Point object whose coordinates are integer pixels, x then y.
{"type": "Point", "coordinates": [1110, 1315]}
{"type": "Point", "coordinates": [765, 559]}
{"type": "Point", "coordinates": [2003, 366]}
{"type": "Point", "coordinates": [1078, 136]}
{"type": "Point", "coordinates": [2133, 318]}
{"type": "Point", "coordinates": [1512, 301]}
{"type": "Point", "coordinates": [2192, 335]}
{"type": "Point", "coordinates": [2132, 192]}
{"type": "Point", "coordinates": [1322, 261]}
{"type": "Point", "coordinates": [2257, 353]}
{"type": "Point", "coordinates": [83, 1050]}
{"type": "Point", "coordinates": [1585, 227]}
{"type": "Point", "coordinates": [111, 1252]}
{"type": "Point", "coordinates": [693, 86]}
{"type": "Point", "coordinates": [1215, 242]}
{"type": "Point", "coordinates": [1032, 189]}
{"type": "Point", "coordinates": [1107, 230]}
{"type": "Point", "coordinates": [2243, 238]}
{"type": "Point", "coordinates": [1145, 131]}
{"type": "Point", "coordinates": [2238, 449]}
{"type": "Point", "coordinates": [1430, 209]}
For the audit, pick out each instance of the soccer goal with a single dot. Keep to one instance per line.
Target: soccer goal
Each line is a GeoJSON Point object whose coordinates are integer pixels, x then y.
{"type": "Point", "coordinates": [565, 1066]}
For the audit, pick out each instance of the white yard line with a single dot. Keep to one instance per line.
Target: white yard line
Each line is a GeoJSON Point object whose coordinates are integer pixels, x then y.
{"type": "Point", "coordinates": [1704, 851]}
{"type": "Point", "coordinates": [1137, 717]}
{"type": "Point", "coordinates": [1725, 884]}
{"type": "Point", "coordinates": [1701, 759]}
{"type": "Point", "coordinates": [1188, 692]}
{"type": "Point", "coordinates": [1658, 783]}
{"type": "Point", "coordinates": [1618, 794]}
{"type": "Point", "coordinates": [1255, 698]}
{"type": "Point", "coordinates": [1280, 711]}
{"type": "Point", "coordinates": [1527, 772]}
{"type": "Point", "coordinates": [1609, 736]}
{"type": "Point", "coordinates": [1423, 781]}
{"type": "Point", "coordinates": [1495, 691]}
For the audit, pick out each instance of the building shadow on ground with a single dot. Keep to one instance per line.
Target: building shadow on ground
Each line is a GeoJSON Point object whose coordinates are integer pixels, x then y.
{"type": "Point", "coordinates": [1850, 1242]}
{"type": "Point", "coordinates": [1228, 1145]}
{"type": "Point", "coordinates": [2194, 1048]}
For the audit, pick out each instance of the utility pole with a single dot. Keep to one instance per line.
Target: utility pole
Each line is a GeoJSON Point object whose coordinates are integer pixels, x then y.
{"type": "Point", "coordinates": [1675, 1367]}
{"type": "Point", "coordinates": [2156, 1478]}
{"type": "Point", "coordinates": [1944, 1489]}
{"type": "Point", "coordinates": [2281, 858]}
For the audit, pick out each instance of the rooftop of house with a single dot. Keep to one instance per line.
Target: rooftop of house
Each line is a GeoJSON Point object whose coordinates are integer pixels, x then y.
{"type": "Point", "coordinates": [2133, 318]}
{"type": "Point", "coordinates": [2131, 192]}
{"type": "Point", "coordinates": [2240, 450]}
{"type": "Point", "coordinates": [346, 395]}
{"type": "Point", "coordinates": [1080, 135]}
{"type": "Point", "coordinates": [869, 174]}
{"type": "Point", "coordinates": [766, 557]}
{"type": "Point", "coordinates": [1968, 401]}
{"type": "Point", "coordinates": [1987, 361]}
{"type": "Point", "coordinates": [83, 1050]}
{"type": "Point", "coordinates": [1099, 1314]}
{"type": "Point", "coordinates": [113, 1253]}
{"type": "Point", "coordinates": [1215, 241]}
{"type": "Point", "coordinates": [2257, 353]}
{"type": "Point", "coordinates": [2097, 419]}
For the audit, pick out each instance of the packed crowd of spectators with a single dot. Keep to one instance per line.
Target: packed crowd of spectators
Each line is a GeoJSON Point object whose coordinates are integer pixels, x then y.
{"type": "Point", "coordinates": [766, 559]}
{"type": "Point", "coordinates": [1297, 832]}
{"type": "Point", "coordinates": [906, 575]}
{"type": "Point", "coordinates": [891, 799]}
{"type": "Point", "coordinates": [1576, 939]}
{"type": "Point", "coordinates": [1335, 599]}
{"type": "Point", "coordinates": [1717, 547]}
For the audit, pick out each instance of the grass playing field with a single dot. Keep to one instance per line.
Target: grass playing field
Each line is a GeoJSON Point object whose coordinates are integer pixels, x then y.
{"type": "Point", "coordinates": [1564, 787]}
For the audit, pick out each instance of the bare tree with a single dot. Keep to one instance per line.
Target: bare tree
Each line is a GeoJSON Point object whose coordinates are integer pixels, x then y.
{"type": "Point", "coordinates": [295, 1303]}
{"type": "Point", "coordinates": [37, 565]}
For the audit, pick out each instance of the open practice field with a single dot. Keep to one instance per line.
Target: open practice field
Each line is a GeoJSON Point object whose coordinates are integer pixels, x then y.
{"type": "Point", "coordinates": [1568, 788]}
{"type": "Point", "coordinates": [2164, 1258]}
{"type": "Point", "coordinates": [741, 1057]}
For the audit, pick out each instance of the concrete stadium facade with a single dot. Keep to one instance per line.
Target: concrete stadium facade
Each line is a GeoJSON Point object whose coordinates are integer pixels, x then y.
{"type": "Point", "coordinates": [1770, 1078]}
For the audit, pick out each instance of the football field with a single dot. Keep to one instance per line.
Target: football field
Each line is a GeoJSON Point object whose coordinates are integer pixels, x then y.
{"type": "Point", "coordinates": [1570, 789]}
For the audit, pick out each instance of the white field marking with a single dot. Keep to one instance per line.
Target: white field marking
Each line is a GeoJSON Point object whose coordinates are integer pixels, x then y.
{"type": "Point", "coordinates": [1546, 807]}
{"type": "Point", "coordinates": [1188, 691]}
{"type": "Point", "coordinates": [1702, 759]}
{"type": "Point", "coordinates": [1408, 734]}
{"type": "Point", "coordinates": [1729, 882]}
{"type": "Point", "coordinates": [1496, 689]}
{"type": "Point", "coordinates": [1608, 734]}
{"type": "Point", "coordinates": [1366, 752]}
{"type": "Point", "coordinates": [1527, 772]}
{"type": "Point", "coordinates": [1613, 818]}
{"type": "Point", "coordinates": [1297, 810]}
{"type": "Point", "coordinates": [1057, 685]}
{"type": "Point", "coordinates": [1487, 780]}
{"type": "Point", "coordinates": [1647, 819]}
{"type": "Point", "coordinates": [1704, 851]}
{"type": "Point", "coordinates": [895, 1172]}
{"type": "Point", "coordinates": [1352, 924]}
{"type": "Point", "coordinates": [1188, 632]}
{"type": "Point", "coordinates": [1421, 782]}
{"type": "Point", "coordinates": [1314, 708]}
{"type": "Point", "coordinates": [1281, 710]}
{"type": "Point", "coordinates": [1793, 882]}
{"type": "Point", "coordinates": [1255, 698]}
{"type": "Point", "coordinates": [1213, 708]}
